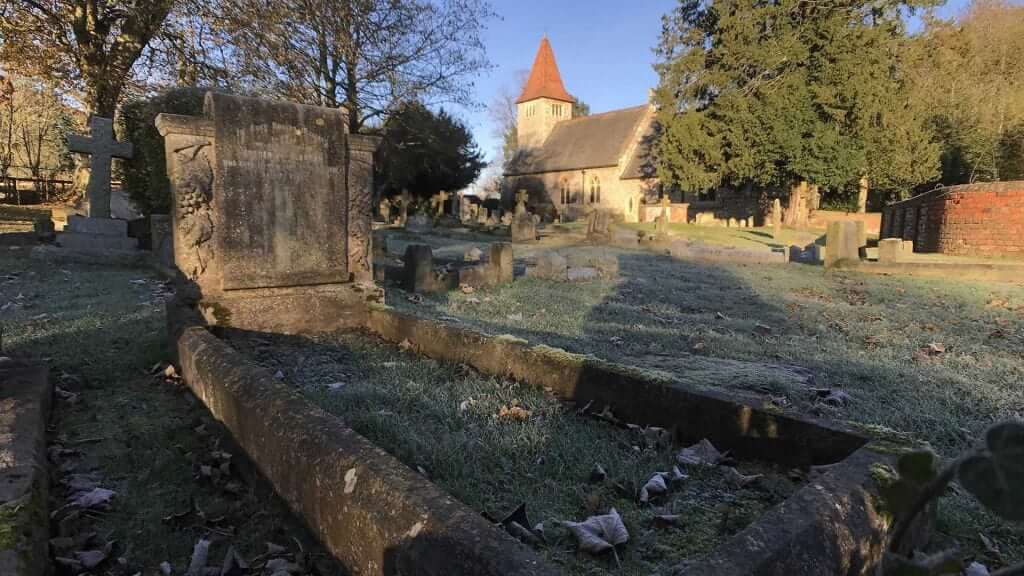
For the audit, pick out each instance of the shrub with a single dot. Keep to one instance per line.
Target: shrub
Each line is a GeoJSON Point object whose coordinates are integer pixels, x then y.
{"type": "Point", "coordinates": [144, 177]}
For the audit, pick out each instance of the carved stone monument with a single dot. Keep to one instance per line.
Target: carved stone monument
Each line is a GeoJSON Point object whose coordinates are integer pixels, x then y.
{"type": "Point", "coordinates": [523, 227]}
{"type": "Point", "coordinates": [98, 232]}
{"type": "Point", "coordinates": [272, 213]}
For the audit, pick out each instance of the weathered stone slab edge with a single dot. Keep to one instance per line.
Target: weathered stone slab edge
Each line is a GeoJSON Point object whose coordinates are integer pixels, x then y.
{"type": "Point", "coordinates": [831, 526]}
{"type": "Point", "coordinates": [25, 402]}
{"type": "Point", "coordinates": [994, 272]}
{"type": "Point", "coordinates": [634, 395]}
{"type": "Point", "coordinates": [373, 513]}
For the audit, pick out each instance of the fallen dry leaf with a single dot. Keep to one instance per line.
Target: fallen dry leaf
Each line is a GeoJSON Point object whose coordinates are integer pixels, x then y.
{"type": "Point", "coordinates": [513, 413]}
{"type": "Point", "coordinates": [599, 533]}
{"type": "Point", "coordinates": [702, 453]}
{"type": "Point", "coordinates": [655, 486]}
{"type": "Point", "coordinates": [94, 498]}
{"type": "Point", "coordinates": [738, 479]}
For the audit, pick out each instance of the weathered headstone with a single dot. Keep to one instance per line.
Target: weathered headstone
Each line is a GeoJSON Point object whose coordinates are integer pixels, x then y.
{"type": "Point", "coordinates": [438, 201]}
{"type": "Point", "coordinates": [501, 259]}
{"type": "Point", "coordinates": [419, 268]}
{"type": "Point", "coordinates": [842, 243]}
{"type": "Point", "coordinates": [776, 218]}
{"type": "Point", "coordinates": [385, 210]}
{"type": "Point", "coordinates": [549, 266]}
{"type": "Point", "coordinates": [661, 223]}
{"type": "Point", "coordinates": [44, 228]}
{"type": "Point", "coordinates": [524, 228]}
{"type": "Point", "coordinates": [598, 226]}
{"type": "Point", "coordinates": [272, 213]}
{"type": "Point", "coordinates": [419, 223]}
{"type": "Point", "coordinates": [406, 203]}
{"type": "Point", "coordinates": [161, 239]}
{"type": "Point", "coordinates": [521, 197]}
{"type": "Point", "coordinates": [890, 250]}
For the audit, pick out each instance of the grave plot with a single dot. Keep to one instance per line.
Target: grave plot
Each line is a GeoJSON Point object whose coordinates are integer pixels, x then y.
{"type": "Point", "coordinates": [497, 445]}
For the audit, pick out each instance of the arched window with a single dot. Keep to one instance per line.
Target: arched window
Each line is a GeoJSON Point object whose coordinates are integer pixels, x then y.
{"type": "Point", "coordinates": [595, 190]}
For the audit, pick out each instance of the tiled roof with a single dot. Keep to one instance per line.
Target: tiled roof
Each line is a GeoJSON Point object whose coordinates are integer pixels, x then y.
{"type": "Point", "coordinates": [586, 142]}
{"type": "Point", "coordinates": [544, 81]}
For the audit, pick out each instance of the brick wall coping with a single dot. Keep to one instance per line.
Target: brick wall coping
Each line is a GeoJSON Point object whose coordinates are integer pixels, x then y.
{"type": "Point", "coordinates": [977, 187]}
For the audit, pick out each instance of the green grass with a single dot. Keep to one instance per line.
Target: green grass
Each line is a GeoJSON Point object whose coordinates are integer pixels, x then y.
{"type": "Point", "coordinates": [101, 329]}
{"type": "Point", "coordinates": [444, 419]}
{"type": "Point", "coordinates": [855, 332]}
{"type": "Point", "coordinates": [751, 238]}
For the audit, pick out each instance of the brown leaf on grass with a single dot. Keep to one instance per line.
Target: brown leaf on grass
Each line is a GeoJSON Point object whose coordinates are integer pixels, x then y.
{"type": "Point", "coordinates": [702, 453]}
{"type": "Point", "coordinates": [599, 533]}
{"type": "Point", "coordinates": [872, 341]}
{"type": "Point", "coordinates": [998, 303]}
{"type": "Point", "coordinates": [740, 480]}
{"type": "Point", "coordinates": [467, 289]}
{"type": "Point", "coordinates": [514, 413]}
{"type": "Point", "coordinates": [667, 520]}
{"type": "Point", "coordinates": [698, 346]}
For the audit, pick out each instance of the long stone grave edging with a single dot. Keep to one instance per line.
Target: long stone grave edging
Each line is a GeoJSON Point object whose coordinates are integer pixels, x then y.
{"type": "Point", "coordinates": [25, 402]}
{"type": "Point", "coordinates": [834, 525]}
{"type": "Point", "coordinates": [372, 512]}
{"type": "Point", "coordinates": [391, 519]}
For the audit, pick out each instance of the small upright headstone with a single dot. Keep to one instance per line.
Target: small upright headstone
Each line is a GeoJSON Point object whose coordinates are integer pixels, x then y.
{"type": "Point", "coordinates": [598, 227]}
{"type": "Point", "coordinates": [419, 223]}
{"type": "Point", "coordinates": [385, 210]}
{"type": "Point", "coordinates": [521, 202]}
{"type": "Point", "coordinates": [890, 250]}
{"type": "Point", "coordinates": [842, 243]}
{"type": "Point", "coordinates": [661, 223]}
{"type": "Point", "coordinates": [502, 262]}
{"type": "Point", "coordinates": [160, 239]}
{"type": "Point", "coordinates": [406, 202]}
{"type": "Point", "coordinates": [776, 218]}
{"type": "Point", "coordinates": [419, 268]}
{"type": "Point", "coordinates": [524, 228]}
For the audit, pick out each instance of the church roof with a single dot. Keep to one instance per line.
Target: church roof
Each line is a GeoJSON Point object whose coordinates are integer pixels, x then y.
{"type": "Point", "coordinates": [592, 141]}
{"type": "Point", "coordinates": [544, 80]}
{"type": "Point", "coordinates": [641, 164]}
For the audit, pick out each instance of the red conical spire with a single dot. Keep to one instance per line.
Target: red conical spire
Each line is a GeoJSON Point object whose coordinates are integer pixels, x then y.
{"type": "Point", "coordinates": [544, 81]}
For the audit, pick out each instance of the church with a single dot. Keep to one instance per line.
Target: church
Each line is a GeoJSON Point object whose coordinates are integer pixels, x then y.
{"type": "Point", "coordinates": [570, 165]}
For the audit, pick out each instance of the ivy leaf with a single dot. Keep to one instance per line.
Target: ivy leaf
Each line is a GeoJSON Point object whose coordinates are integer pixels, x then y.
{"type": "Point", "coordinates": [599, 533]}
{"type": "Point", "coordinates": [919, 467]}
{"type": "Point", "coordinates": [996, 476]}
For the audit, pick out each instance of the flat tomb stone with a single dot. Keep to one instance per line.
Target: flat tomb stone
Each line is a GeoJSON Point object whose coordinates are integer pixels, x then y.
{"type": "Point", "coordinates": [97, 226]}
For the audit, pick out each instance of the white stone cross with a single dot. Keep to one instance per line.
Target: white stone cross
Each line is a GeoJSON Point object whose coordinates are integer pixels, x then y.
{"type": "Point", "coordinates": [101, 146]}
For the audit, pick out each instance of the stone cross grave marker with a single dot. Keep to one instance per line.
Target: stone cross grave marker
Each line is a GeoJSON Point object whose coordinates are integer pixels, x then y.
{"type": "Point", "coordinates": [440, 199]}
{"type": "Point", "coordinates": [102, 147]}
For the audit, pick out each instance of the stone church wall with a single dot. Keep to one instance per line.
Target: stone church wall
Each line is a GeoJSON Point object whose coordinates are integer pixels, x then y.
{"type": "Point", "coordinates": [622, 197]}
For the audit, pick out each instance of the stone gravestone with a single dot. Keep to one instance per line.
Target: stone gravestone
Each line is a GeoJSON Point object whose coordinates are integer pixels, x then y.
{"type": "Point", "coordinates": [523, 227]}
{"type": "Point", "coordinates": [776, 218]}
{"type": "Point", "coordinates": [161, 240]}
{"type": "Point", "coordinates": [598, 227]}
{"type": "Point", "coordinates": [98, 232]}
{"type": "Point", "coordinates": [661, 224]}
{"type": "Point", "coordinates": [419, 223]}
{"type": "Point", "coordinates": [842, 243]}
{"type": "Point", "coordinates": [272, 213]}
{"type": "Point", "coordinates": [406, 201]}
{"type": "Point", "coordinates": [385, 210]}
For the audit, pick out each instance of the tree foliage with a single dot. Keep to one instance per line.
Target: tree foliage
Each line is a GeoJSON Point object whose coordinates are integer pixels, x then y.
{"type": "Point", "coordinates": [34, 123]}
{"type": "Point", "coordinates": [968, 74]}
{"type": "Point", "coordinates": [425, 152]}
{"type": "Point", "coordinates": [364, 55]}
{"type": "Point", "coordinates": [772, 93]}
{"type": "Point", "coordinates": [89, 47]}
{"type": "Point", "coordinates": [144, 176]}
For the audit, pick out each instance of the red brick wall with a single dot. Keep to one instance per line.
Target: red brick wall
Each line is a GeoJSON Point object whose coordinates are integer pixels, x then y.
{"type": "Point", "coordinates": [972, 219]}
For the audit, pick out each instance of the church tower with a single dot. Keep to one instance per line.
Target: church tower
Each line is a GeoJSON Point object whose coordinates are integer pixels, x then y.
{"type": "Point", "coordinates": [544, 101]}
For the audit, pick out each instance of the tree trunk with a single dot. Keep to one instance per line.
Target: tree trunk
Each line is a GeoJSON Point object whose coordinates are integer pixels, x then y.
{"type": "Point", "coordinates": [796, 211]}
{"type": "Point", "coordinates": [862, 195]}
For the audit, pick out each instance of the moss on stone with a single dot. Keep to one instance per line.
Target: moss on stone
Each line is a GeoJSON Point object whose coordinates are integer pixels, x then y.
{"type": "Point", "coordinates": [219, 313]}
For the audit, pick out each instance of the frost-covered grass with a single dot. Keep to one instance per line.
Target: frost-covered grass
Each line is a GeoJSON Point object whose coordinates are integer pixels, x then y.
{"type": "Point", "coordinates": [857, 332]}
{"type": "Point", "coordinates": [101, 330]}
{"type": "Point", "coordinates": [445, 420]}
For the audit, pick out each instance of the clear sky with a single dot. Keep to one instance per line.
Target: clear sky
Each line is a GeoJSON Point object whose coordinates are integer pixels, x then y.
{"type": "Point", "coordinates": [603, 47]}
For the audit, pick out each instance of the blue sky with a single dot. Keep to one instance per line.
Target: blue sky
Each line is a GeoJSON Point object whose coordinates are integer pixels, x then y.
{"type": "Point", "coordinates": [603, 48]}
